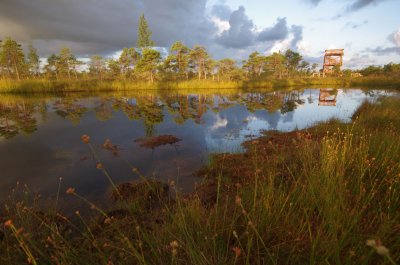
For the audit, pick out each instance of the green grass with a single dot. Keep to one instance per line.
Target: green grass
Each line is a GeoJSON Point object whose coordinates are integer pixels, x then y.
{"type": "Point", "coordinates": [94, 85]}
{"type": "Point", "coordinates": [308, 197]}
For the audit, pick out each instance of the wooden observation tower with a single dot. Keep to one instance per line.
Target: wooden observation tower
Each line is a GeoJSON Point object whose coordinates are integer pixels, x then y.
{"type": "Point", "coordinates": [332, 58]}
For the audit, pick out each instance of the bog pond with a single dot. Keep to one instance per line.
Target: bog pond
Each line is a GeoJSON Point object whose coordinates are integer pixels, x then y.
{"type": "Point", "coordinates": [40, 136]}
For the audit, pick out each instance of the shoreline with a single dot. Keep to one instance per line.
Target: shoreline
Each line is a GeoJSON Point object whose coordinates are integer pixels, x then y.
{"type": "Point", "coordinates": [95, 86]}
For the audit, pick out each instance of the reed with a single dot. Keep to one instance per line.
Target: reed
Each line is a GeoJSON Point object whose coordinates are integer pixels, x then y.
{"type": "Point", "coordinates": [43, 86]}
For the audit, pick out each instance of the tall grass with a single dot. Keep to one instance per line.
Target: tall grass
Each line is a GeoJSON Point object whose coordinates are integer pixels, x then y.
{"type": "Point", "coordinates": [95, 85]}
{"type": "Point", "coordinates": [307, 197]}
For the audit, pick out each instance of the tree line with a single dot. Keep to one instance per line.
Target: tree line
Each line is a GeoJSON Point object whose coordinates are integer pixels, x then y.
{"type": "Point", "coordinates": [144, 62]}
{"type": "Point", "coordinates": [390, 69]}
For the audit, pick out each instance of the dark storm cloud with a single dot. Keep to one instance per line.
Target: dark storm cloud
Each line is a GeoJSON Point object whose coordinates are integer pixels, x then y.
{"type": "Point", "coordinates": [102, 25]}
{"type": "Point", "coordinates": [277, 32]}
{"type": "Point", "coordinates": [240, 34]}
{"type": "Point", "coordinates": [105, 26]}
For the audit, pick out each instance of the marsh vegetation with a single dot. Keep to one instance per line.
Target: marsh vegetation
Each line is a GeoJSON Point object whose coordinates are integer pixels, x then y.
{"type": "Point", "coordinates": [325, 193]}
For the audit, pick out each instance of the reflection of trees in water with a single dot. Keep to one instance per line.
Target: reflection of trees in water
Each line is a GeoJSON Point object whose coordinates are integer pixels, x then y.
{"type": "Point", "coordinates": [18, 117]}
{"type": "Point", "coordinates": [149, 109]}
{"type": "Point", "coordinates": [70, 109]}
{"type": "Point", "coordinates": [291, 100]}
{"type": "Point", "coordinates": [103, 110]}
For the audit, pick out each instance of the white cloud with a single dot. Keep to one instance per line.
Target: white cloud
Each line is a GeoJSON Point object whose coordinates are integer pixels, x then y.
{"type": "Point", "coordinates": [222, 25]}
{"type": "Point", "coordinates": [219, 123]}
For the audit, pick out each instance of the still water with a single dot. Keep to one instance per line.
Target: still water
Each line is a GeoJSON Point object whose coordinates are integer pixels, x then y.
{"type": "Point", "coordinates": [40, 137]}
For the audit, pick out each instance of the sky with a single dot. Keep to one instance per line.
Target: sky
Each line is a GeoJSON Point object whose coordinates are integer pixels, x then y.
{"type": "Point", "coordinates": [368, 30]}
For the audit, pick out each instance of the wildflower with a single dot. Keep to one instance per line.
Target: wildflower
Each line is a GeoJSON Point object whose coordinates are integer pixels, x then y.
{"type": "Point", "coordinates": [377, 245]}
{"type": "Point", "coordinates": [85, 139]}
{"type": "Point", "coordinates": [174, 244]}
{"type": "Point", "coordinates": [174, 247]}
{"type": "Point", "coordinates": [238, 200]}
{"type": "Point", "coordinates": [70, 191]}
{"type": "Point", "coordinates": [371, 243]}
{"type": "Point", "coordinates": [238, 251]}
{"type": "Point", "coordinates": [235, 234]}
{"type": "Point", "coordinates": [77, 213]}
{"type": "Point", "coordinates": [99, 166]}
{"type": "Point", "coordinates": [135, 169]}
{"type": "Point", "coordinates": [382, 250]}
{"type": "Point", "coordinates": [8, 223]}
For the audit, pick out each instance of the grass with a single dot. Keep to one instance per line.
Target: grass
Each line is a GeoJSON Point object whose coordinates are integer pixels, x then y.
{"type": "Point", "coordinates": [94, 85]}
{"type": "Point", "coordinates": [326, 195]}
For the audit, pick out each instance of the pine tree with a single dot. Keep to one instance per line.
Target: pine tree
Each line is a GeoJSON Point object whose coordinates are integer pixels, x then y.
{"type": "Point", "coordinates": [180, 55]}
{"type": "Point", "coordinates": [148, 63]}
{"type": "Point", "coordinates": [33, 60]}
{"type": "Point", "coordinates": [97, 66]}
{"type": "Point", "coordinates": [13, 57]}
{"type": "Point", "coordinates": [65, 59]}
{"type": "Point", "coordinates": [199, 57]}
{"type": "Point", "coordinates": [144, 34]}
{"type": "Point", "coordinates": [52, 65]}
{"type": "Point", "coordinates": [127, 60]}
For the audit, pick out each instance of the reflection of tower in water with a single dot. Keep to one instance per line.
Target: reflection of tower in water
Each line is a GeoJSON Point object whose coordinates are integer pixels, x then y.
{"type": "Point", "coordinates": [327, 97]}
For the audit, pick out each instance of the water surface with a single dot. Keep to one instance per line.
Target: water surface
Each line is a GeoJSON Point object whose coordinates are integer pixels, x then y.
{"type": "Point", "coordinates": [40, 137]}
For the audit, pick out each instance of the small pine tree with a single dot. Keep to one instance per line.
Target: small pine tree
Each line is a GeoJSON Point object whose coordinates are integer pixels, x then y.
{"type": "Point", "coordinates": [144, 34]}
{"type": "Point", "coordinates": [33, 60]}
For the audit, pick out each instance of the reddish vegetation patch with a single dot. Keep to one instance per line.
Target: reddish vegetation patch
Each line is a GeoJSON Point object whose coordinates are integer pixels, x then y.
{"type": "Point", "coordinates": [157, 141]}
{"type": "Point", "coordinates": [273, 150]}
{"type": "Point", "coordinates": [147, 190]}
{"type": "Point", "coordinates": [266, 155]}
